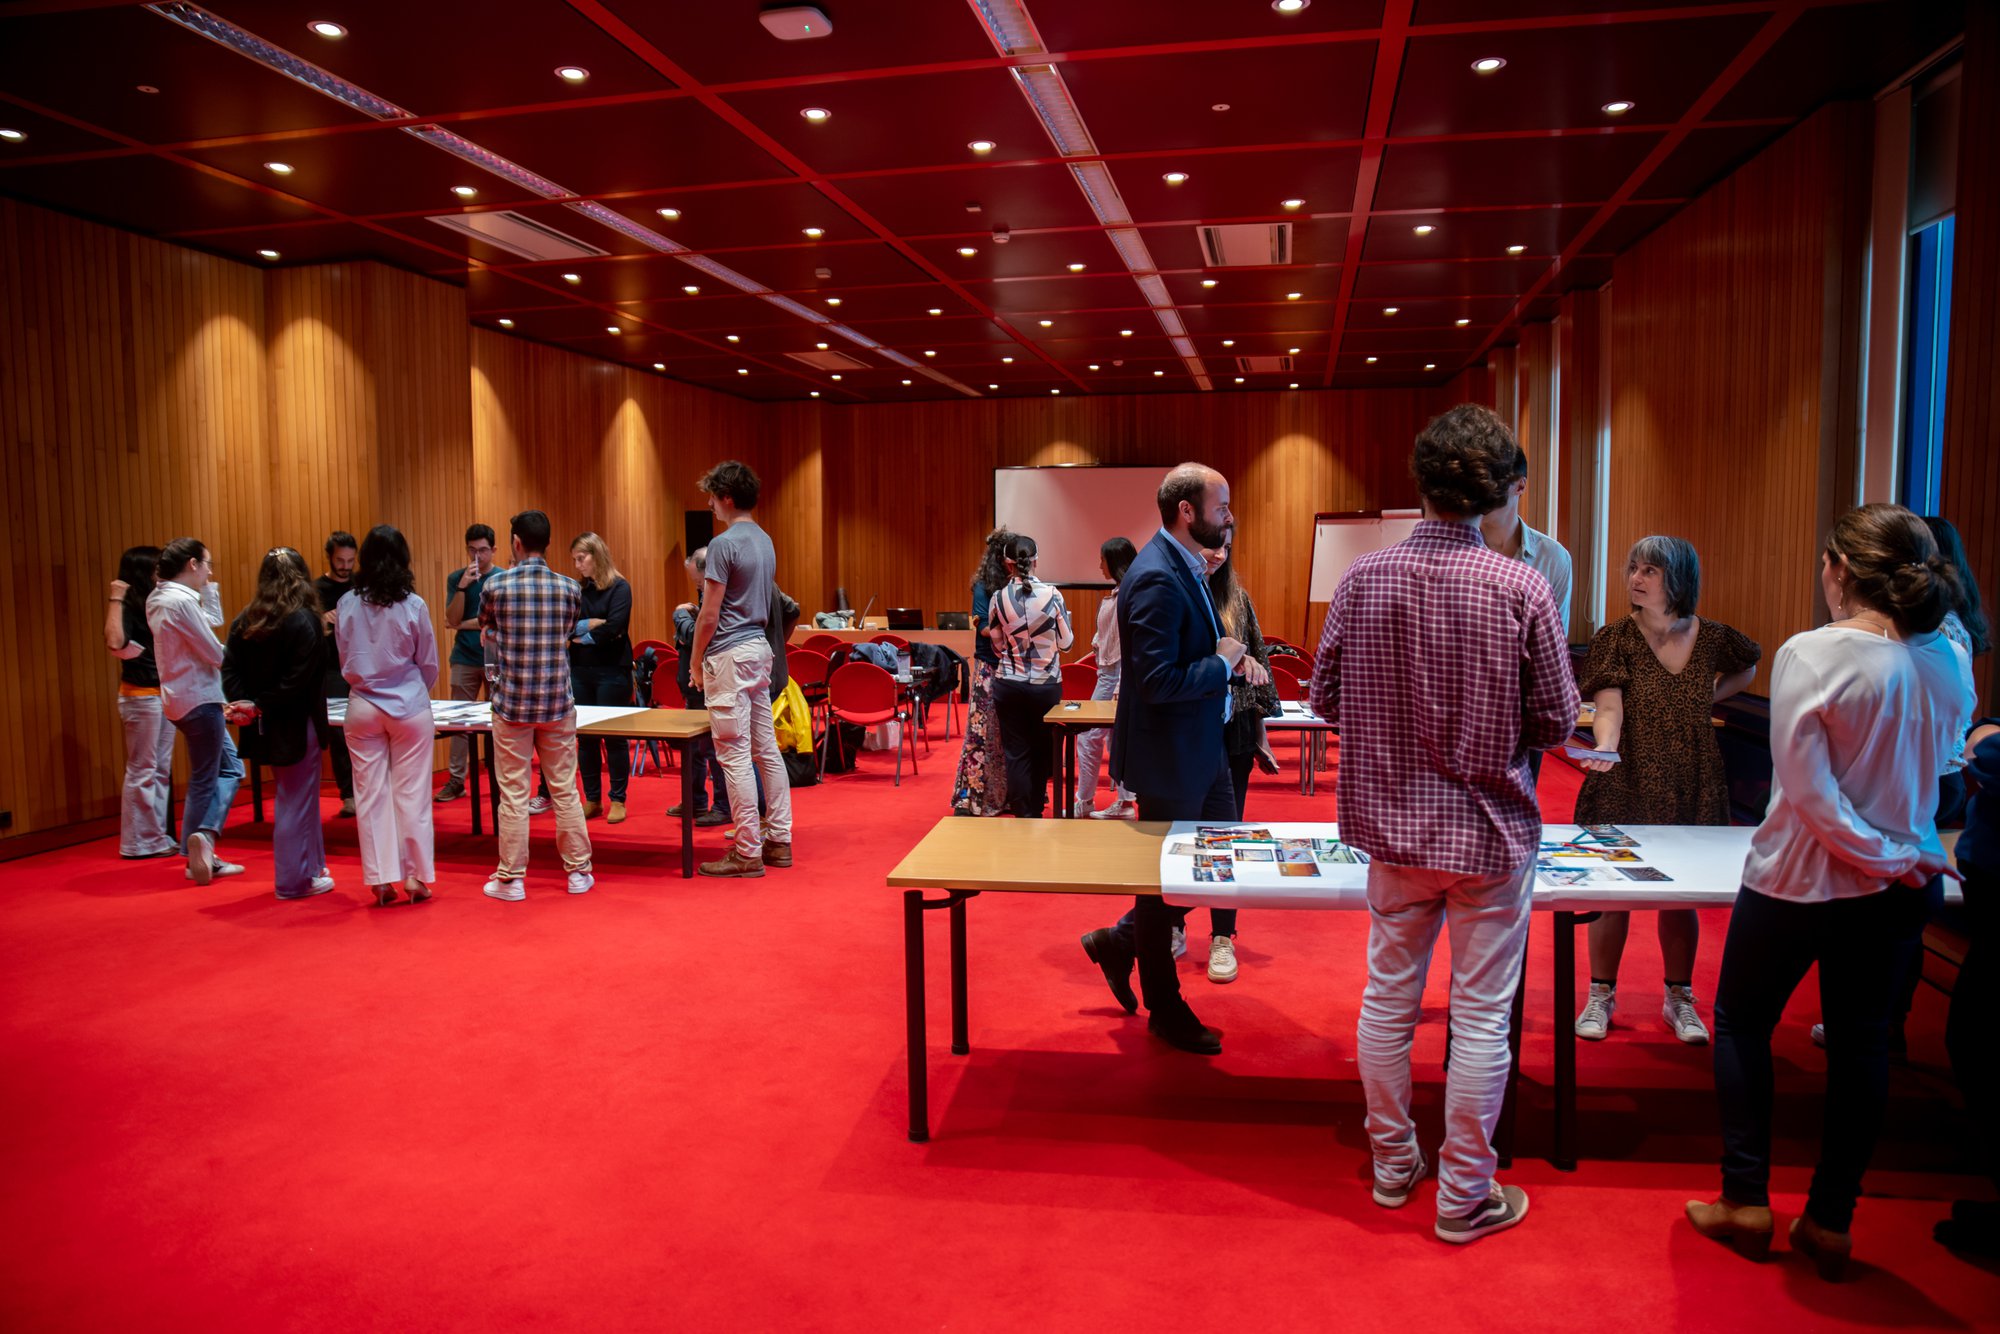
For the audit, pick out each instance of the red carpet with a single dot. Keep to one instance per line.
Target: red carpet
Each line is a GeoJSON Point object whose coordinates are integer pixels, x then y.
{"type": "Point", "coordinates": [679, 1105]}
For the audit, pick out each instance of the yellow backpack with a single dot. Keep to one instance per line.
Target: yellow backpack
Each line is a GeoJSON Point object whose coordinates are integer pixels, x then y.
{"type": "Point", "coordinates": [792, 720]}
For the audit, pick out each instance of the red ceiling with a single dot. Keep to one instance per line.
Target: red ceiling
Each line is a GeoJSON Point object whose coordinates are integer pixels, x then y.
{"type": "Point", "coordinates": [1366, 111]}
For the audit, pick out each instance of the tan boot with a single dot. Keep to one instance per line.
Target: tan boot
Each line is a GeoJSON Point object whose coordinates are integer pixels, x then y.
{"type": "Point", "coordinates": [592, 809]}
{"type": "Point", "coordinates": [733, 865]}
{"type": "Point", "coordinates": [777, 854]}
{"type": "Point", "coordinates": [617, 815]}
{"type": "Point", "coordinates": [1744, 1228]}
{"type": "Point", "coordinates": [1827, 1249]}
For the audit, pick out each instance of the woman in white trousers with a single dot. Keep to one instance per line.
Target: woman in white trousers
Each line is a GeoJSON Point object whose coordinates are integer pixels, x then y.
{"type": "Point", "coordinates": [388, 653]}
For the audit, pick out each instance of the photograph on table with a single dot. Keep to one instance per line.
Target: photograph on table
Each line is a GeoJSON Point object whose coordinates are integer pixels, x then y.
{"type": "Point", "coordinates": [1560, 877]}
{"type": "Point", "coordinates": [1256, 854]}
{"type": "Point", "coordinates": [1648, 873]}
{"type": "Point", "coordinates": [1298, 868]}
{"type": "Point", "coordinates": [1609, 835]}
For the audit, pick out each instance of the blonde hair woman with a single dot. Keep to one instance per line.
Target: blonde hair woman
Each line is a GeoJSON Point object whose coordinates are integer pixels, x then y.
{"type": "Point", "coordinates": [600, 667]}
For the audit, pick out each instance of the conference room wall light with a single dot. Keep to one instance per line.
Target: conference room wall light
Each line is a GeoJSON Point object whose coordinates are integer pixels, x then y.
{"type": "Point", "coordinates": [817, 115]}
{"type": "Point", "coordinates": [1293, 385]}
{"type": "Point", "coordinates": [1055, 391]}
{"type": "Point", "coordinates": [1239, 379]}
{"type": "Point", "coordinates": [1618, 108]}
{"type": "Point", "coordinates": [279, 168]}
{"type": "Point", "coordinates": [572, 73]}
{"type": "Point", "coordinates": [1488, 65]}
{"type": "Point", "coordinates": [821, 346]}
{"type": "Point", "coordinates": [1293, 351]}
{"type": "Point", "coordinates": [324, 28]}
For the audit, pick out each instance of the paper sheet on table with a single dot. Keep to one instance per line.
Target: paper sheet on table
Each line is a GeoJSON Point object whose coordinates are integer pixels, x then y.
{"type": "Point", "coordinates": [1261, 865]}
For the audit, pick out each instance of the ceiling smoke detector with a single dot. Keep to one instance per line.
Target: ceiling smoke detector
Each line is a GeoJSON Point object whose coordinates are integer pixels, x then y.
{"type": "Point", "coordinates": [796, 23]}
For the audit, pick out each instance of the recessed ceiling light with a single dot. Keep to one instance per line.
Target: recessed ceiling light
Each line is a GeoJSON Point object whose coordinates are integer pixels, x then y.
{"type": "Point", "coordinates": [692, 290]}
{"type": "Point", "coordinates": [833, 377]}
{"type": "Point", "coordinates": [1292, 350]}
{"type": "Point", "coordinates": [670, 214]}
{"type": "Point", "coordinates": [1076, 268]}
{"type": "Point", "coordinates": [1159, 372]}
{"type": "Point", "coordinates": [1289, 6]}
{"type": "Point", "coordinates": [572, 73]}
{"type": "Point", "coordinates": [1423, 229]}
{"type": "Point", "coordinates": [833, 301]}
{"type": "Point", "coordinates": [815, 393]}
{"type": "Point", "coordinates": [1239, 379]}
{"type": "Point", "coordinates": [1220, 106]}
{"type": "Point", "coordinates": [326, 29]}
{"type": "Point", "coordinates": [992, 386]}
{"type": "Point", "coordinates": [1488, 64]}
{"type": "Point", "coordinates": [1373, 360]}
{"type": "Point", "coordinates": [572, 278]}
{"type": "Point", "coordinates": [1055, 391]}
{"type": "Point", "coordinates": [1208, 282]}
{"type": "Point", "coordinates": [936, 311]}
{"type": "Point", "coordinates": [1515, 249]}
{"type": "Point", "coordinates": [1293, 385]}
{"type": "Point", "coordinates": [1229, 342]}
{"type": "Point", "coordinates": [1094, 366]}
{"type": "Point", "coordinates": [464, 191]}
{"type": "Point", "coordinates": [1048, 324]}
{"type": "Point", "coordinates": [1006, 361]}
{"type": "Point", "coordinates": [968, 251]}
{"type": "Point", "coordinates": [1390, 310]}
{"type": "Point", "coordinates": [13, 136]}
{"type": "Point", "coordinates": [821, 346]}
{"type": "Point", "coordinates": [1618, 108]}
{"type": "Point", "coordinates": [659, 365]}
{"type": "Point", "coordinates": [278, 168]}
{"type": "Point", "coordinates": [612, 328]}
{"type": "Point", "coordinates": [1174, 177]}
{"type": "Point", "coordinates": [1294, 203]}
{"type": "Point", "coordinates": [929, 353]}
{"type": "Point", "coordinates": [1463, 323]}
{"type": "Point", "coordinates": [1430, 365]}
{"type": "Point", "coordinates": [734, 338]}
{"type": "Point", "coordinates": [815, 232]}
{"type": "Point", "coordinates": [907, 382]}
{"type": "Point", "coordinates": [1124, 333]}
{"type": "Point", "coordinates": [268, 254]}
{"type": "Point", "coordinates": [1293, 296]}
{"type": "Point", "coordinates": [147, 89]}
{"type": "Point", "coordinates": [817, 115]}
{"type": "Point", "coordinates": [742, 370]}
{"type": "Point", "coordinates": [981, 145]}
{"type": "Point", "coordinates": [506, 324]}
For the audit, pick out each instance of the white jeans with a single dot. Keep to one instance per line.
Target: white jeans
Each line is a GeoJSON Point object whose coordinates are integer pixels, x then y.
{"type": "Point", "coordinates": [1487, 917]}
{"type": "Point", "coordinates": [737, 684]}
{"type": "Point", "coordinates": [149, 772]}
{"type": "Point", "coordinates": [392, 792]}
{"type": "Point", "coordinates": [1090, 746]}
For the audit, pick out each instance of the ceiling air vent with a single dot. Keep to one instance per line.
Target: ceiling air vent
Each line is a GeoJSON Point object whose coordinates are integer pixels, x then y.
{"type": "Point", "coordinates": [518, 235]}
{"type": "Point", "coordinates": [1264, 365]}
{"type": "Point", "coordinates": [1244, 244]}
{"type": "Point", "coordinates": [827, 361]}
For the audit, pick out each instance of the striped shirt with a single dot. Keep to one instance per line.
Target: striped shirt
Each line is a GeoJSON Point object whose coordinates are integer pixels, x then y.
{"type": "Point", "coordinates": [1443, 662]}
{"type": "Point", "coordinates": [526, 613]}
{"type": "Point", "coordinates": [1037, 630]}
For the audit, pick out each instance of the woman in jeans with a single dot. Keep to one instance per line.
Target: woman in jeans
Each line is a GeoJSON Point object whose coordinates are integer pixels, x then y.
{"type": "Point", "coordinates": [1840, 874]}
{"type": "Point", "coordinates": [600, 668]}
{"type": "Point", "coordinates": [274, 671]}
{"type": "Point", "coordinates": [143, 814]}
{"type": "Point", "coordinates": [1029, 629]}
{"type": "Point", "coordinates": [388, 653]}
{"type": "Point", "coordinates": [980, 786]}
{"type": "Point", "coordinates": [1113, 558]}
{"type": "Point", "coordinates": [183, 612]}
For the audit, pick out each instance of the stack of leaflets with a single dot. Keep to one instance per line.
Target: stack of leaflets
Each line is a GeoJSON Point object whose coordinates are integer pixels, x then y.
{"type": "Point", "coordinates": [1600, 854]}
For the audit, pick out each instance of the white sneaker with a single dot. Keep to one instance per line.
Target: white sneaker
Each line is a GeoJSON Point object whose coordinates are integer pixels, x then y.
{"type": "Point", "coordinates": [216, 871]}
{"type": "Point", "coordinates": [1180, 941]}
{"type": "Point", "coordinates": [1081, 809]}
{"type": "Point", "coordinates": [1115, 811]}
{"type": "Point", "coordinates": [511, 891]}
{"type": "Point", "coordinates": [538, 805]}
{"type": "Point", "coordinates": [322, 883]}
{"type": "Point", "coordinates": [1819, 1036]}
{"type": "Point", "coordinates": [1678, 1011]}
{"type": "Point", "coordinates": [1595, 1021]}
{"type": "Point", "coordinates": [1221, 959]}
{"type": "Point", "coordinates": [200, 858]}
{"type": "Point", "coordinates": [581, 881]}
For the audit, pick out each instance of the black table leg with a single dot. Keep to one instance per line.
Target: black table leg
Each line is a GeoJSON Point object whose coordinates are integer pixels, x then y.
{"type": "Point", "coordinates": [960, 1042]}
{"type": "Point", "coordinates": [913, 1009]}
{"type": "Point", "coordinates": [1069, 776]}
{"type": "Point", "coordinates": [1565, 1032]}
{"type": "Point", "coordinates": [492, 784]}
{"type": "Point", "coordinates": [686, 750]}
{"type": "Point", "coordinates": [472, 777]}
{"type": "Point", "coordinates": [256, 792]}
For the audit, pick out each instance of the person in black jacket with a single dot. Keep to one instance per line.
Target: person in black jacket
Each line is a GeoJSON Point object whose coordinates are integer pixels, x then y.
{"type": "Point", "coordinates": [273, 670]}
{"type": "Point", "coordinates": [600, 668]}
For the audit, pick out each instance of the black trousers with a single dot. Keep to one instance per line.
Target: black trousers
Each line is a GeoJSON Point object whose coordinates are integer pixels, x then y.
{"type": "Point", "coordinates": [1975, 1009]}
{"type": "Point", "coordinates": [1026, 740]}
{"type": "Point", "coordinates": [336, 741]}
{"type": "Point", "coordinates": [1153, 919]}
{"type": "Point", "coordinates": [1859, 944]}
{"type": "Point", "coordinates": [603, 685]}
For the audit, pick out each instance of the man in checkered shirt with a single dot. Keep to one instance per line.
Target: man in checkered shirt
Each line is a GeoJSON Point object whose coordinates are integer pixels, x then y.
{"type": "Point", "coordinates": [1445, 665]}
{"type": "Point", "coordinates": [527, 613]}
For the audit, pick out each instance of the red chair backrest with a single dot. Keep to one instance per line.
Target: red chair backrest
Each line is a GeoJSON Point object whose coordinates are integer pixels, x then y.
{"type": "Point", "coordinates": [822, 643]}
{"type": "Point", "coordinates": [1289, 687]}
{"type": "Point", "coordinates": [1078, 680]}
{"type": "Point", "coordinates": [661, 649]}
{"type": "Point", "coordinates": [667, 690]}
{"type": "Point", "coordinates": [861, 687]}
{"type": "Point", "coordinates": [806, 667]}
{"type": "Point", "coordinates": [1293, 667]}
{"type": "Point", "coordinates": [900, 644]}
{"type": "Point", "coordinates": [1087, 660]}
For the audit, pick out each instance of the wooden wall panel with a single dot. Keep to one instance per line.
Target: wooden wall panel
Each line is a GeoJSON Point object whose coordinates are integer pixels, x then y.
{"type": "Point", "coordinates": [1534, 422]}
{"type": "Point", "coordinates": [1971, 476]}
{"type": "Point", "coordinates": [1580, 429]}
{"type": "Point", "coordinates": [1719, 351]}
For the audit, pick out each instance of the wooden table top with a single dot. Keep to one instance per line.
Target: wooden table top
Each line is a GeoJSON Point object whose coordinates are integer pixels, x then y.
{"type": "Point", "coordinates": [1035, 856]}
{"type": "Point", "coordinates": [652, 725]}
{"type": "Point", "coordinates": [1082, 713]}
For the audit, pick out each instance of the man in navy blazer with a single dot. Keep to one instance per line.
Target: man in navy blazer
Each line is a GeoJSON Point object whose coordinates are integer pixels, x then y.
{"type": "Point", "coordinates": [1166, 745]}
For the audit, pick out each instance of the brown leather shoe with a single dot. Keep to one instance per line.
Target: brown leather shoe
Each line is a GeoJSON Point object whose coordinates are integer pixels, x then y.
{"type": "Point", "coordinates": [617, 813]}
{"type": "Point", "coordinates": [1744, 1228]}
{"type": "Point", "coordinates": [777, 854]}
{"type": "Point", "coordinates": [733, 865]}
{"type": "Point", "coordinates": [1827, 1249]}
{"type": "Point", "coordinates": [592, 809]}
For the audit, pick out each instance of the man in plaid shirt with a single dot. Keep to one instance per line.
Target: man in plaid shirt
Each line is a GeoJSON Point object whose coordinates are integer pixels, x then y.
{"type": "Point", "coordinates": [1445, 665]}
{"type": "Point", "coordinates": [526, 615]}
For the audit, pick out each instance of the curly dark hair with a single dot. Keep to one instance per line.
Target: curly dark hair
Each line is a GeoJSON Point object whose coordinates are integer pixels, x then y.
{"type": "Point", "coordinates": [284, 588]}
{"type": "Point", "coordinates": [383, 578]}
{"type": "Point", "coordinates": [1465, 461]}
{"type": "Point", "coordinates": [734, 482]}
{"type": "Point", "coordinates": [992, 572]}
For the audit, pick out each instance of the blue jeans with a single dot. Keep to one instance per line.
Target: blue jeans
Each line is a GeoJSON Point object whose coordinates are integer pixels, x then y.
{"type": "Point", "coordinates": [214, 771]}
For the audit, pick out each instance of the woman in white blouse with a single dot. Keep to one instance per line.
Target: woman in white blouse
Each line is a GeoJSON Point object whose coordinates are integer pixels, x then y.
{"type": "Point", "coordinates": [1029, 628]}
{"type": "Point", "coordinates": [388, 653]}
{"type": "Point", "coordinates": [1864, 712]}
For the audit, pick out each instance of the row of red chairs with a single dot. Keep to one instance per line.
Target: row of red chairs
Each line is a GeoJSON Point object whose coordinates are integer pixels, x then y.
{"type": "Point", "coordinates": [1292, 677]}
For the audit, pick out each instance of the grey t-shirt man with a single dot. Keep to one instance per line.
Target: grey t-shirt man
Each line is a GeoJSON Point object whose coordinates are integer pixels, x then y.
{"type": "Point", "coordinates": [741, 559]}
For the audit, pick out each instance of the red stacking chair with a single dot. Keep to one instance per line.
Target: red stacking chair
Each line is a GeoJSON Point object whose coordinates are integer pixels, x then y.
{"type": "Point", "coordinates": [1289, 683]}
{"type": "Point", "coordinates": [823, 643]}
{"type": "Point", "coordinates": [661, 649]}
{"type": "Point", "coordinates": [1078, 681]}
{"type": "Point", "coordinates": [810, 670]}
{"type": "Point", "coordinates": [861, 692]}
{"type": "Point", "coordinates": [897, 642]}
{"type": "Point", "coordinates": [1087, 660]}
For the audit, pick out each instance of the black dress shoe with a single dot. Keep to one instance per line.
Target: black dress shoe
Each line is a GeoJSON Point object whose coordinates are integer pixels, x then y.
{"type": "Point", "coordinates": [1185, 1031]}
{"type": "Point", "coordinates": [711, 817]}
{"type": "Point", "coordinates": [1116, 962]}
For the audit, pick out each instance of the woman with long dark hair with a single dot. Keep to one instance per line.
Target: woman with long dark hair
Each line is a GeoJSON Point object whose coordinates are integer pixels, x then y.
{"type": "Point", "coordinates": [275, 674]}
{"type": "Point", "coordinates": [1029, 627]}
{"type": "Point", "coordinates": [388, 653]}
{"type": "Point", "coordinates": [183, 612]}
{"type": "Point", "coordinates": [1842, 872]}
{"type": "Point", "coordinates": [980, 786]}
{"type": "Point", "coordinates": [149, 742]}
